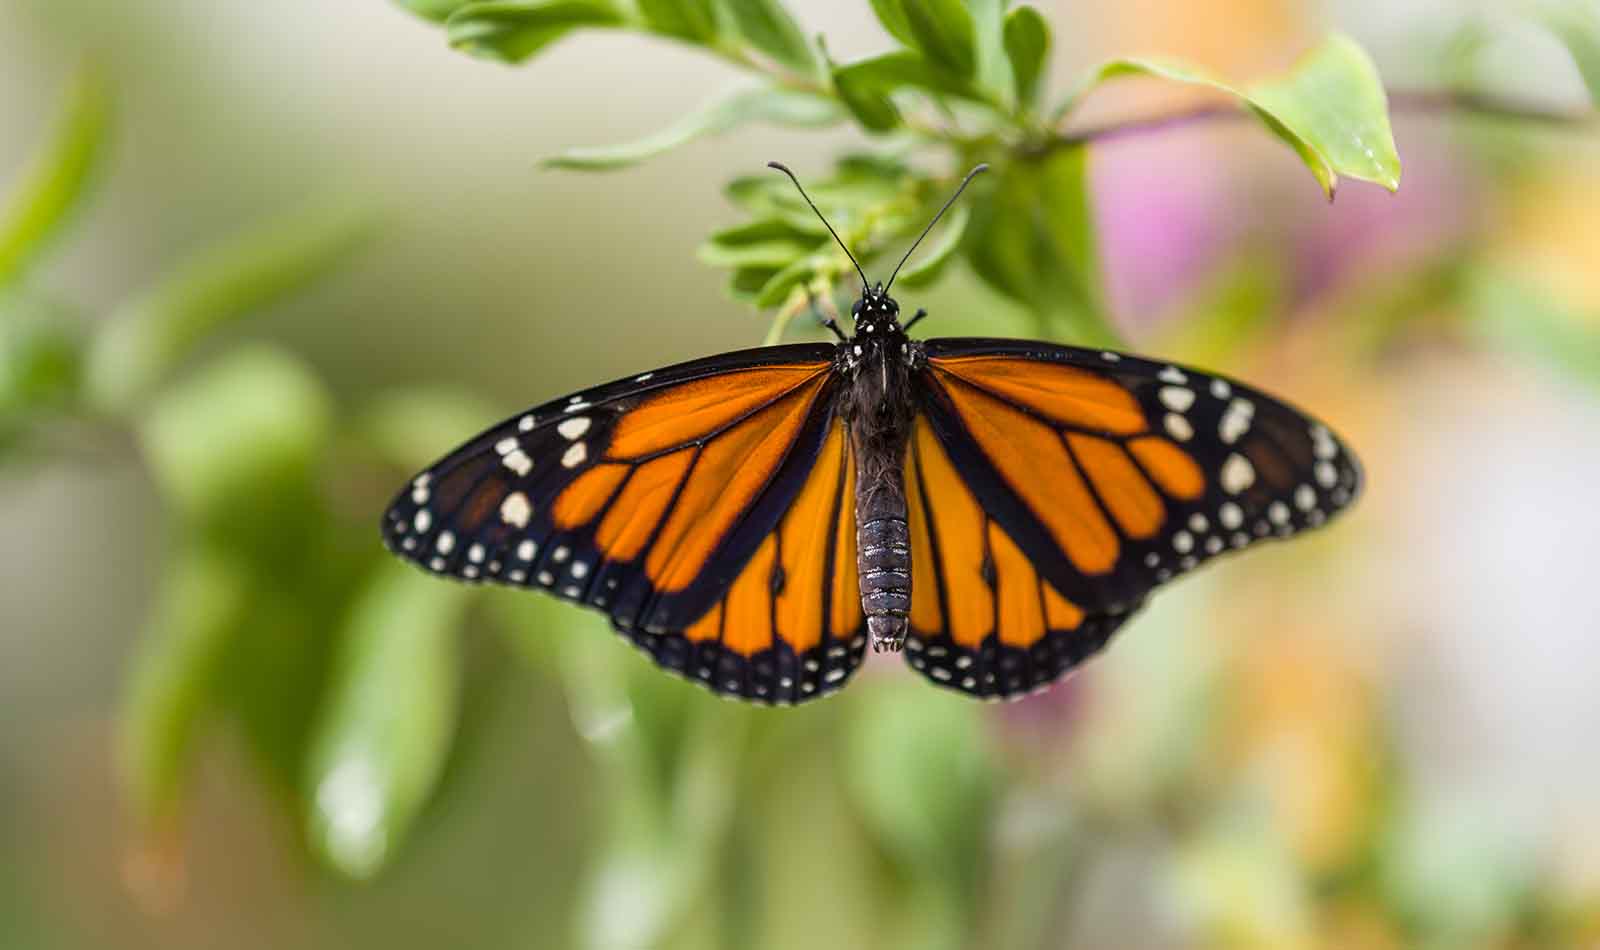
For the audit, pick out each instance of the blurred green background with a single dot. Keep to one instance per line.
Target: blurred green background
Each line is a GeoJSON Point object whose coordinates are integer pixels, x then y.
{"type": "Point", "coordinates": [314, 247]}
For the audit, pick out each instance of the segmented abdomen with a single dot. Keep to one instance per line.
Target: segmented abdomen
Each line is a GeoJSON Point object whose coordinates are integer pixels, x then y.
{"type": "Point", "coordinates": [883, 562]}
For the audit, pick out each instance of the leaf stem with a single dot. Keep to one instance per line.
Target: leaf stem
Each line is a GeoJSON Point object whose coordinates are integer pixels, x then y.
{"type": "Point", "coordinates": [1415, 102]}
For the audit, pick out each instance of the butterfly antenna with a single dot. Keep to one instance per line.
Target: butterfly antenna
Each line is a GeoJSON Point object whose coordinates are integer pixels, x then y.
{"type": "Point", "coordinates": [981, 167]}
{"type": "Point", "coordinates": [785, 169]}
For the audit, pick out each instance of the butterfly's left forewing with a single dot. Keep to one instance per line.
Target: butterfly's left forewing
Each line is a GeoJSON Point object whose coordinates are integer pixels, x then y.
{"type": "Point", "coordinates": [1088, 478]}
{"type": "Point", "coordinates": [684, 503]}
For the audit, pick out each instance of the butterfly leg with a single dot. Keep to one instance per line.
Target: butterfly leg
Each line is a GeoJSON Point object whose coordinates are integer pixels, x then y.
{"type": "Point", "coordinates": [913, 321]}
{"type": "Point", "coordinates": [831, 322]}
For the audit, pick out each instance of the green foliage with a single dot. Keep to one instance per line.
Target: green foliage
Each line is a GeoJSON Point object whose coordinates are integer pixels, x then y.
{"type": "Point", "coordinates": [761, 104]}
{"type": "Point", "coordinates": [512, 32]}
{"type": "Point", "coordinates": [147, 336]}
{"type": "Point", "coordinates": [38, 205]}
{"type": "Point", "coordinates": [1027, 39]}
{"type": "Point", "coordinates": [201, 603]}
{"type": "Point", "coordinates": [1331, 109]}
{"type": "Point", "coordinates": [965, 85]}
{"type": "Point", "coordinates": [384, 735]}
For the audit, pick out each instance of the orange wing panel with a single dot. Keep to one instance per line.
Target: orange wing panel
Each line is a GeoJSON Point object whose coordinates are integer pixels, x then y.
{"type": "Point", "coordinates": [748, 628]}
{"type": "Point", "coordinates": [957, 522]}
{"type": "Point", "coordinates": [1033, 461]}
{"type": "Point", "coordinates": [1171, 467]}
{"type": "Point", "coordinates": [1118, 482]}
{"type": "Point", "coordinates": [807, 530]}
{"type": "Point", "coordinates": [845, 616]}
{"type": "Point", "coordinates": [732, 469]}
{"type": "Point", "coordinates": [925, 611]}
{"type": "Point", "coordinates": [1017, 586]}
{"type": "Point", "coordinates": [707, 627]}
{"type": "Point", "coordinates": [582, 500]}
{"type": "Point", "coordinates": [627, 527]}
{"type": "Point", "coordinates": [1059, 612]}
{"type": "Point", "coordinates": [686, 413]}
{"type": "Point", "coordinates": [1065, 394]}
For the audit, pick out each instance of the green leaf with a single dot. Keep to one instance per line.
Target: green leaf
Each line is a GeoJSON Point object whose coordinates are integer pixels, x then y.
{"type": "Point", "coordinates": [1027, 40]}
{"type": "Point", "coordinates": [772, 196]}
{"type": "Point", "coordinates": [891, 72]}
{"type": "Point", "coordinates": [767, 242]}
{"type": "Point", "coordinates": [767, 26]}
{"type": "Point", "coordinates": [944, 33]}
{"type": "Point", "coordinates": [1577, 25]}
{"type": "Point", "coordinates": [925, 270]}
{"type": "Point", "coordinates": [203, 600]}
{"type": "Point", "coordinates": [1331, 109]}
{"type": "Point", "coordinates": [892, 14]}
{"type": "Point", "coordinates": [778, 287]}
{"type": "Point", "coordinates": [692, 20]}
{"type": "Point", "coordinates": [436, 10]}
{"type": "Point", "coordinates": [871, 106]}
{"type": "Point", "coordinates": [147, 336]}
{"type": "Point", "coordinates": [56, 178]}
{"type": "Point", "coordinates": [513, 32]}
{"type": "Point", "coordinates": [1033, 241]}
{"type": "Point", "coordinates": [41, 360]}
{"type": "Point", "coordinates": [254, 423]}
{"type": "Point", "coordinates": [385, 732]}
{"type": "Point", "coordinates": [759, 104]}
{"type": "Point", "coordinates": [745, 283]}
{"type": "Point", "coordinates": [994, 69]}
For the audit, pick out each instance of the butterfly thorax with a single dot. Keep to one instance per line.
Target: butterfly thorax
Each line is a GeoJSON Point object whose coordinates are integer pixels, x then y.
{"type": "Point", "coordinates": [878, 404]}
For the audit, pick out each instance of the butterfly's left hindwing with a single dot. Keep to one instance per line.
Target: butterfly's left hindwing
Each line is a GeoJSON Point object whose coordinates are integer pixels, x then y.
{"type": "Point", "coordinates": [1086, 479]}
{"type": "Point", "coordinates": [676, 502]}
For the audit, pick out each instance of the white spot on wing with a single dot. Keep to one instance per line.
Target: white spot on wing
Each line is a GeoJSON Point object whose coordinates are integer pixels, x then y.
{"type": "Point", "coordinates": [1231, 515]}
{"type": "Point", "coordinates": [1237, 474]}
{"type": "Point", "coordinates": [518, 462]}
{"type": "Point", "coordinates": [1179, 427]}
{"type": "Point", "coordinates": [516, 509]}
{"type": "Point", "coordinates": [446, 542]}
{"type": "Point", "coordinates": [573, 428]}
{"type": "Point", "coordinates": [1305, 498]}
{"type": "Point", "coordinates": [575, 455]}
{"type": "Point", "coordinates": [1221, 389]}
{"type": "Point", "coordinates": [1327, 475]}
{"type": "Point", "coordinates": [1172, 374]}
{"type": "Point", "coordinates": [422, 520]}
{"type": "Point", "coordinates": [526, 550]}
{"type": "Point", "coordinates": [507, 445]}
{"type": "Point", "coordinates": [525, 424]}
{"type": "Point", "coordinates": [1177, 398]}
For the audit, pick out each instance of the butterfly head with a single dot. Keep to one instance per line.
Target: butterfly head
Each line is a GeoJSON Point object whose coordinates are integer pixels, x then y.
{"type": "Point", "coordinates": [877, 315]}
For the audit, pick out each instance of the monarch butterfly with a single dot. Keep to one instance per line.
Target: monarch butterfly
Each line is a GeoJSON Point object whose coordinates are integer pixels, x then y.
{"type": "Point", "coordinates": [996, 509]}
